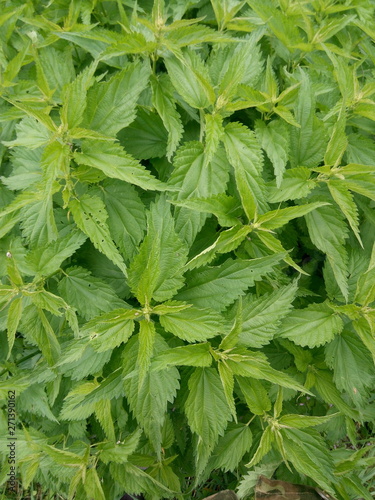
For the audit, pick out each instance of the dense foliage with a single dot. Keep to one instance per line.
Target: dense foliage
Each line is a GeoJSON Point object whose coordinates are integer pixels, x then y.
{"type": "Point", "coordinates": [187, 226]}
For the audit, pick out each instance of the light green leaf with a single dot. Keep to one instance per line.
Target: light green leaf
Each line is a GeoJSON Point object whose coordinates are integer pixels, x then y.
{"type": "Point", "coordinates": [90, 216]}
{"type": "Point", "coordinates": [315, 325]}
{"type": "Point", "coordinates": [111, 105]}
{"type": "Point", "coordinates": [274, 139]}
{"type": "Point", "coordinates": [227, 381]}
{"type": "Point", "coordinates": [255, 395]}
{"type": "Point", "coordinates": [214, 132]}
{"type": "Point", "coordinates": [116, 163]}
{"type": "Point", "coordinates": [195, 180]}
{"type": "Point", "coordinates": [254, 365]}
{"type": "Point", "coordinates": [205, 286]}
{"type": "Point", "coordinates": [338, 141]}
{"type": "Point", "coordinates": [81, 290]}
{"type": "Point", "coordinates": [110, 329]}
{"type": "Point", "coordinates": [231, 447]}
{"type": "Point", "coordinates": [206, 408]}
{"type": "Point", "coordinates": [227, 241]}
{"type": "Point", "coordinates": [306, 450]}
{"type": "Point", "coordinates": [264, 447]}
{"type": "Point", "coordinates": [38, 331]}
{"type": "Point", "coordinates": [30, 134]}
{"type": "Point", "coordinates": [126, 215]}
{"type": "Point", "coordinates": [47, 259]}
{"type": "Point", "coordinates": [191, 80]}
{"type": "Point", "coordinates": [74, 97]}
{"type": "Point", "coordinates": [295, 184]}
{"type": "Point", "coordinates": [149, 402]}
{"type": "Point", "coordinates": [262, 316]}
{"type": "Point", "coordinates": [146, 339]}
{"type": "Point", "coordinates": [303, 421]}
{"type": "Point", "coordinates": [224, 207]}
{"type": "Point", "coordinates": [157, 271]}
{"type": "Point", "coordinates": [280, 217]}
{"type": "Point", "coordinates": [328, 233]}
{"type": "Point", "coordinates": [187, 355]}
{"type": "Point", "coordinates": [353, 368]}
{"type": "Point", "coordinates": [194, 324]}
{"type": "Point", "coordinates": [162, 99]}
{"type": "Point", "coordinates": [119, 453]}
{"type": "Point", "coordinates": [308, 143]}
{"type": "Point", "coordinates": [93, 485]}
{"type": "Point", "coordinates": [245, 156]}
{"type": "Point", "coordinates": [13, 319]}
{"type": "Point", "coordinates": [38, 223]}
{"type": "Point", "coordinates": [345, 201]}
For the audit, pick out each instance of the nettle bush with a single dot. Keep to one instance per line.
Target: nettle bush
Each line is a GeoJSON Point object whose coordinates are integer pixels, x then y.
{"type": "Point", "coordinates": [187, 245]}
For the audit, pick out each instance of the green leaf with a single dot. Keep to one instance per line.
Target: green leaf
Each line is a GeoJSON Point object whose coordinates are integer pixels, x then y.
{"type": "Point", "coordinates": [280, 217]}
{"type": "Point", "coordinates": [364, 329]}
{"type": "Point", "coordinates": [191, 80]}
{"type": "Point", "coordinates": [338, 142]}
{"type": "Point", "coordinates": [47, 259]}
{"type": "Point", "coordinates": [206, 408]}
{"type": "Point", "coordinates": [308, 143]}
{"type": "Point", "coordinates": [148, 403]}
{"type": "Point", "coordinates": [304, 421]}
{"type": "Point", "coordinates": [111, 105]}
{"type": "Point", "coordinates": [157, 271]}
{"type": "Point", "coordinates": [90, 216]}
{"type": "Point", "coordinates": [306, 450]}
{"type": "Point", "coordinates": [262, 316]}
{"type": "Point", "coordinates": [328, 391]}
{"type": "Point", "coordinates": [117, 164]}
{"type": "Point", "coordinates": [296, 184]}
{"type": "Point", "coordinates": [274, 139]}
{"type": "Point", "coordinates": [315, 325]}
{"type": "Point", "coordinates": [243, 64]}
{"type": "Point", "coordinates": [38, 331]}
{"type": "Point", "coordinates": [187, 355]}
{"type": "Point", "coordinates": [213, 134]}
{"type": "Point", "coordinates": [255, 395]}
{"type": "Point", "coordinates": [30, 134]}
{"type": "Point", "coordinates": [245, 156]}
{"type": "Point", "coordinates": [204, 286]}
{"type": "Point", "coordinates": [146, 339]}
{"type": "Point", "coordinates": [328, 233]}
{"type": "Point", "coordinates": [194, 324]}
{"type": "Point", "coordinates": [110, 329]}
{"type": "Point", "coordinates": [119, 453]}
{"type": "Point", "coordinates": [255, 366]}
{"type": "Point", "coordinates": [93, 485]}
{"type": "Point", "coordinates": [264, 447]}
{"type": "Point", "coordinates": [227, 381]}
{"type": "Point", "coordinates": [231, 447]}
{"type": "Point", "coordinates": [193, 178]}
{"type": "Point", "coordinates": [38, 222]}
{"type": "Point", "coordinates": [227, 241]}
{"type": "Point", "coordinates": [343, 197]}
{"type": "Point", "coordinates": [224, 207]}
{"type": "Point", "coordinates": [81, 290]}
{"type": "Point", "coordinates": [13, 319]}
{"type": "Point", "coordinates": [126, 215]}
{"type": "Point", "coordinates": [74, 97]}
{"type": "Point", "coordinates": [353, 368]}
{"type": "Point", "coordinates": [275, 245]}
{"type": "Point", "coordinates": [166, 107]}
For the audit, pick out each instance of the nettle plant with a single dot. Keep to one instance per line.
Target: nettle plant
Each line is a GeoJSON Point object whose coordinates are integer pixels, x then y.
{"type": "Point", "coordinates": [187, 245]}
